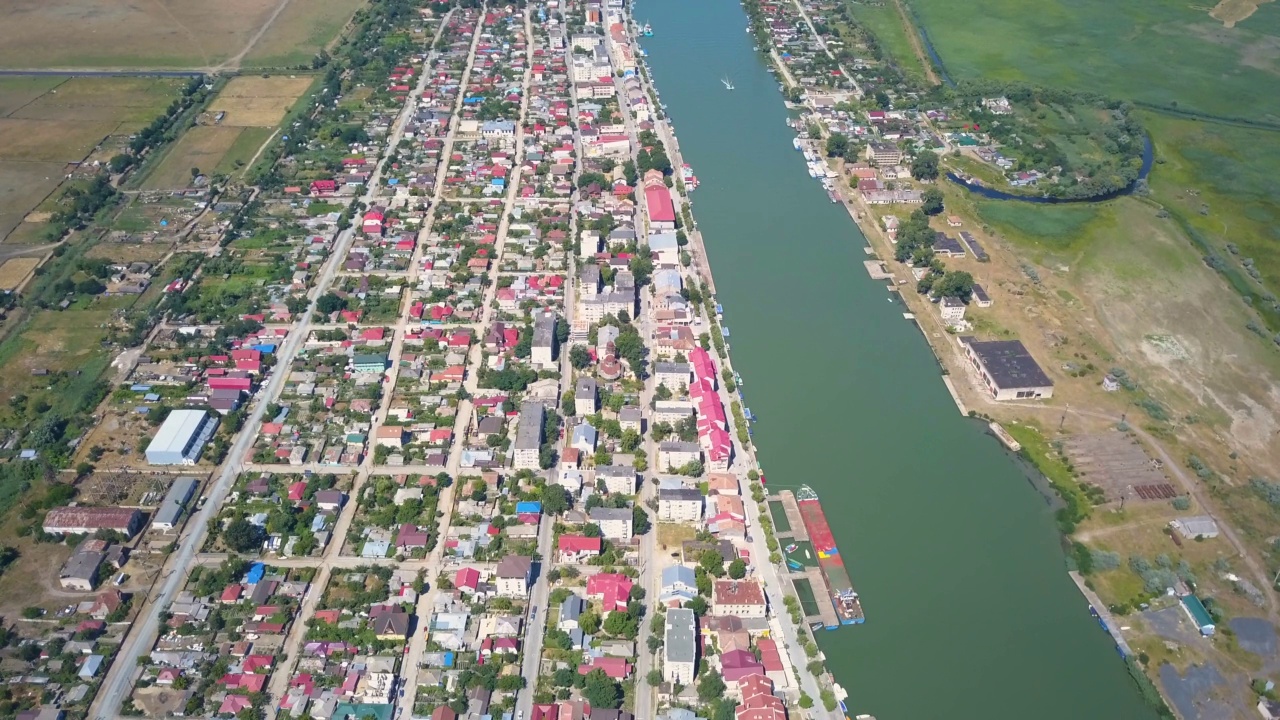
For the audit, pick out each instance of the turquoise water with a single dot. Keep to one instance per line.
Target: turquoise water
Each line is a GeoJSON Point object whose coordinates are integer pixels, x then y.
{"type": "Point", "coordinates": [970, 611]}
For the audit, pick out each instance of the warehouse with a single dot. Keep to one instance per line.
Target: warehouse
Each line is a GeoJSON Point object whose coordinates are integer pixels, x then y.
{"type": "Point", "coordinates": [170, 511]}
{"type": "Point", "coordinates": [89, 520]}
{"type": "Point", "coordinates": [181, 438]}
{"type": "Point", "coordinates": [1007, 369]}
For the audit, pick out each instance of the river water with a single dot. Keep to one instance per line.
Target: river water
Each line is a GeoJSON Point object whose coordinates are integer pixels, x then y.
{"type": "Point", "coordinates": [970, 613]}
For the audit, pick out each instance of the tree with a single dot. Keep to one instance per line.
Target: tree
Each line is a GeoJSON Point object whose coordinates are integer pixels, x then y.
{"type": "Point", "coordinates": [925, 165]}
{"type": "Point", "coordinates": [711, 563]}
{"type": "Point", "coordinates": [568, 404]}
{"type": "Point", "coordinates": [932, 198]}
{"type": "Point", "coordinates": [837, 144]}
{"type": "Point", "coordinates": [330, 303]}
{"type": "Point", "coordinates": [654, 678]}
{"type": "Point", "coordinates": [621, 624]}
{"type": "Point", "coordinates": [711, 687]}
{"type": "Point", "coordinates": [599, 690]}
{"type": "Point", "coordinates": [579, 357]}
{"type": "Point", "coordinates": [955, 283]}
{"type": "Point", "coordinates": [630, 441]}
{"type": "Point", "coordinates": [90, 286]}
{"type": "Point", "coordinates": [639, 521]}
{"type": "Point", "coordinates": [738, 569]}
{"type": "Point", "coordinates": [589, 622]}
{"type": "Point", "coordinates": [243, 536]}
{"type": "Point", "coordinates": [555, 500]}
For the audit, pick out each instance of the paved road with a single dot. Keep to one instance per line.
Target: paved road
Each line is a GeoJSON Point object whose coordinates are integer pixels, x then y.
{"type": "Point", "coordinates": [119, 680]}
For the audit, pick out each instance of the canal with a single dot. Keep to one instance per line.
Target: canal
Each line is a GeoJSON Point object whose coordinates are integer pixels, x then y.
{"type": "Point", "coordinates": [970, 611]}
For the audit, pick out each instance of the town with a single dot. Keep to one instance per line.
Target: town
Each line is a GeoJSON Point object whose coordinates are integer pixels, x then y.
{"type": "Point", "coordinates": [440, 426]}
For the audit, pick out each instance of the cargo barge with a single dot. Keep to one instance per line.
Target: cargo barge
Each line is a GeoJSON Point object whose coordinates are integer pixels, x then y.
{"type": "Point", "coordinates": [847, 604]}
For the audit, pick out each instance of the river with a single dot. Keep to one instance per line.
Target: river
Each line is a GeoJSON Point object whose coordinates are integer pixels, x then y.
{"type": "Point", "coordinates": [970, 613]}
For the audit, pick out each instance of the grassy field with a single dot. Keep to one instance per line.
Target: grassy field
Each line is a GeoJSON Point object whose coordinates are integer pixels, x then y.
{"type": "Point", "coordinates": [884, 22]}
{"type": "Point", "coordinates": [242, 150]}
{"type": "Point", "coordinates": [46, 123]}
{"type": "Point", "coordinates": [300, 31]}
{"type": "Point", "coordinates": [1168, 54]}
{"type": "Point", "coordinates": [201, 148]}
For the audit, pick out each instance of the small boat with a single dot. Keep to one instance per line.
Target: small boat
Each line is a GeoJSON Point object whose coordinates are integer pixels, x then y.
{"type": "Point", "coordinates": [728, 85]}
{"type": "Point", "coordinates": [791, 548]}
{"type": "Point", "coordinates": [647, 30]}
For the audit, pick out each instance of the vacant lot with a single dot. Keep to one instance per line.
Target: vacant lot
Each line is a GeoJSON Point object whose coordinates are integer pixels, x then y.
{"type": "Point", "coordinates": [112, 34]}
{"type": "Point", "coordinates": [258, 101]}
{"type": "Point", "coordinates": [300, 31]}
{"type": "Point", "coordinates": [200, 148]}
{"type": "Point", "coordinates": [49, 123]}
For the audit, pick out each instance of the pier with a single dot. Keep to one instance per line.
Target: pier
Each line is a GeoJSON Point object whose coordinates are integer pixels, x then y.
{"type": "Point", "coordinates": [822, 596]}
{"type": "Point", "coordinates": [792, 510]}
{"type": "Point", "coordinates": [1105, 618]}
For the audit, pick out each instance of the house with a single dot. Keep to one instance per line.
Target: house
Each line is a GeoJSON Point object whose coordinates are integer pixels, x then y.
{"type": "Point", "coordinates": [467, 580]}
{"type": "Point", "coordinates": [1007, 369]}
{"type": "Point", "coordinates": [951, 309]}
{"type": "Point", "coordinates": [674, 454]}
{"type": "Point", "coordinates": [631, 418]}
{"type": "Point", "coordinates": [680, 649]}
{"type": "Point", "coordinates": [570, 610]}
{"type": "Point", "coordinates": [392, 625]}
{"type": "Point", "coordinates": [758, 700]}
{"type": "Point", "coordinates": [612, 589]}
{"type": "Point", "coordinates": [577, 548]}
{"type": "Point", "coordinates": [331, 500]}
{"type": "Point", "coordinates": [615, 667]}
{"type": "Point", "coordinates": [584, 438]}
{"type": "Point", "coordinates": [741, 598]}
{"type": "Point", "coordinates": [679, 585]}
{"type": "Point", "coordinates": [584, 396]}
{"type": "Point", "coordinates": [679, 505]}
{"type": "Point", "coordinates": [980, 296]}
{"type": "Point", "coordinates": [615, 523]}
{"type": "Point", "coordinates": [80, 571]}
{"type": "Point", "coordinates": [514, 573]}
{"type": "Point", "coordinates": [106, 604]}
{"type": "Point", "coordinates": [389, 436]}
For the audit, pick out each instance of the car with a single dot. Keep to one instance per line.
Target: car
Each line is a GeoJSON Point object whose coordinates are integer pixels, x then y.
{"type": "Point", "coordinates": [533, 613]}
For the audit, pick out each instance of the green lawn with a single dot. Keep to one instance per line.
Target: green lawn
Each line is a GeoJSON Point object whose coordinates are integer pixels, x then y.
{"type": "Point", "coordinates": [884, 22]}
{"type": "Point", "coordinates": [1057, 228]}
{"type": "Point", "coordinates": [242, 150]}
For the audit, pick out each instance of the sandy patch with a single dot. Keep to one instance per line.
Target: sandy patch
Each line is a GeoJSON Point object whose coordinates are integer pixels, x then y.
{"type": "Point", "coordinates": [1231, 12]}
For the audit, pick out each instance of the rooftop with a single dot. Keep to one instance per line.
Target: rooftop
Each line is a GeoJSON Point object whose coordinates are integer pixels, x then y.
{"type": "Point", "coordinates": [1008, 363]}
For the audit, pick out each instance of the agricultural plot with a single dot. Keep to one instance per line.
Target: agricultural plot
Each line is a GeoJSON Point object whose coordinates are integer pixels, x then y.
{"type": "Point", "coordinates": [240, 119]}
{"type": "Point", "coordinates": [15, 270]}
{"type": "Point", "coordinates": [108, 34]}
{"type": "Point", "coordinates": [300, 31]}
{"type": "Point", "coordinates": [48, 125]}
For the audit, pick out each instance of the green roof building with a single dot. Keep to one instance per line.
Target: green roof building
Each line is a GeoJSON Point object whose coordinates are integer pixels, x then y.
{"type": "Point", "coordinates": [372, 363]}
{"type": "Point", "coordinates": [1199, 614]}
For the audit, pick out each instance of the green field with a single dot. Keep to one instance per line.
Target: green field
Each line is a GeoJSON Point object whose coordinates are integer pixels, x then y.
{"type": "Point", "coordinates": [1167, 54]}
{"type": "Point", "coordinates": [884, 22]}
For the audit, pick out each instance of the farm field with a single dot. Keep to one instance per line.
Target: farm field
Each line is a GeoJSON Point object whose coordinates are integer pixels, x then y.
{"type": "Point", "coordinates": [14, 270]}
{"type": "Point", "coordinates": [49, 123]}
{"type": "Point", "coordinates": [1126, 49]}
{"type": "Point", "coordinates": [253, 107]}
{"type": "Point", "coordinates": [175, 34]}
{"type": "Point", "coordinates": [299, 32]}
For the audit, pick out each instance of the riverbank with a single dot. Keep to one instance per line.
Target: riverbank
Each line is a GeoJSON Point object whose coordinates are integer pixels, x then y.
{"type": "Point", "coordinates": [845, 392]}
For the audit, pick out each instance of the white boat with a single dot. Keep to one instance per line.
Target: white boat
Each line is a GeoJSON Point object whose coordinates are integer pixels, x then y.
{"type": "Point", "coordinates": [727, 84]}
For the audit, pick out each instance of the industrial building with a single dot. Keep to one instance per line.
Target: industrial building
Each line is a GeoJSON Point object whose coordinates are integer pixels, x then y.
{"type": "Point", "coordinates": [89, 520]}
{"type": "Point", "coordinates": [181, 438]}
{"type": "Point", "coordinates": [170, 512]}
{"type": "Point", "coordinates": [1007, 369]}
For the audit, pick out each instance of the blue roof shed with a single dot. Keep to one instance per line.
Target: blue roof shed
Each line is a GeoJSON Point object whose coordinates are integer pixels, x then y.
{"type": "Point", "coordinates": [529, 506]}
{"type": "Point", "coordinates": [256, 573]}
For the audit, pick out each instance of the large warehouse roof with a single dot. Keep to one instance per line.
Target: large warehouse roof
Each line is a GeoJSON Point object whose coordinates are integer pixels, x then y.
{"type": "Point", "coordinates": [177, 431]}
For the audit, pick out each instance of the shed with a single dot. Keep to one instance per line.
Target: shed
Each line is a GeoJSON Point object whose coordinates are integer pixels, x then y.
{"type": "Point", "coordinates": [1198, 614]}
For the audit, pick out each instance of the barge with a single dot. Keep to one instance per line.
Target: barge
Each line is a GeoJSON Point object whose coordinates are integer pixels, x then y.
{"type": "Point", "coordinates": [845, 599]}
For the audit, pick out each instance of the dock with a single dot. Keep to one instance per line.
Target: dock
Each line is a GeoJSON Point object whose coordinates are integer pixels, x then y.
{"type": "Point", "coordinates": [798, 530]}
{"type": "Point", "coordinates": [822, 596]}
{"type": "Point", "coordinates": [877, 270]}
{"type": "Point", "coordinates": [1105, 619]}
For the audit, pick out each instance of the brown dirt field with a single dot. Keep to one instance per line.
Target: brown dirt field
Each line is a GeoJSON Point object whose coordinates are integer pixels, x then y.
{"type": "Point", "coordinates": [201, 147]}
{"type": "Point", "coordinates": [33, 578]}
{"type": "Point", "coordinates": [132, 101]}
{"type": "Point", "coordinates": [1231, 12]}
{"type": "Point", "coordinates": [14, 270]}
{"type": "Point", "coordinates": [22, 186]}
{"type": "Point", "coordinates": [109, 33]}
{"type": "Point", "coordinates": [129, 252]}
{"type": "Point", "coordinates": [258, 101]}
